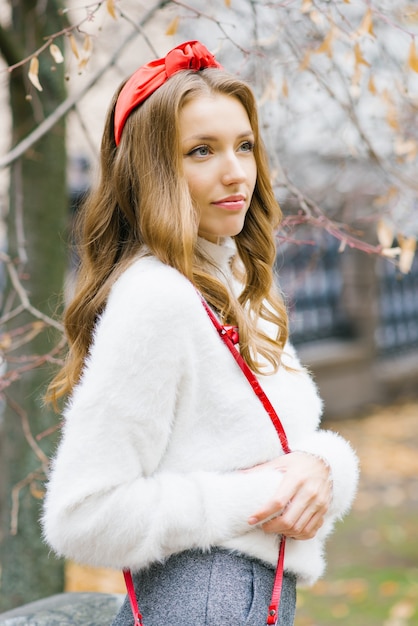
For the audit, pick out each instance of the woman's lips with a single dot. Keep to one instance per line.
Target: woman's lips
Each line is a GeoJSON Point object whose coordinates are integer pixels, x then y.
{"type": "Point", "coordinates": [232, 203]}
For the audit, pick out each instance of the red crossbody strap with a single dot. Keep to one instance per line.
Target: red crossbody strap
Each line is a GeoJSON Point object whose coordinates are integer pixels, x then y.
{"type": "Point", "coordinates": [132, 597]}
{"type": "Point", "coordinates": [250, 377]}
{"type": "Point", "coordinates": [273, 610]}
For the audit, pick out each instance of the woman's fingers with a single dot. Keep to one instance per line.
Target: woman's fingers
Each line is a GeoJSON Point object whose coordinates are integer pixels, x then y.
{"type": "Point", "coordinates": [296, 523]}
{"type": "Point", "coordinates": [305, 493]}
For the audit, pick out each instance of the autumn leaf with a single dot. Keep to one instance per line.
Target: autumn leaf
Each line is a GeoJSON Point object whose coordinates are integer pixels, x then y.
{"type": "Point", "coordinates": [306, 6]}
{"type": "Point", "coordinates": [410, 14]}
{"type": "Point", "coordinates": [407, 148]}
{"type": "Point", "coordinates": [86, 52]}
{"type": "Point", "coordinates": [36, 491]}
{"type": "Point", "coordinates": [173, 26]}
{"type": "Point", "coordinates": [305, 61]}
{"type": "Point", "coordinates": [413, 57]}
{"type": "Point", "coordinates": [392, 117]}
{"type": "Point", "coordinates": [56, 53]}
{"type": "Point", "coordinates": [372, 86]}
{"type": "Point", "coordinates": [326, 45]}
{"type": "Point", "coordinates": [73, 45]}
{"type": "Point", "coordinates": [285, 88]}
{"type": "Point", "coordinates": [5, 342]}
{"type": "Point", "coordinates": [110, 6]}
{"type": "Point", "coordinates": [33, 73]}
{"type": "Point", "coordinates": [408, 246]}
{"type": "Point", "coordinates": [316, 17]}
{"type": "Point", "coordinates": [228, 3]}
{"type": "Point", "coordinates": [87, 45]}
{"type": "Point", "coordinates": [385, 234]}
{"type": "Point", "coordinates": [366, 26]}
{"type": "Point", "coordinates": [384, 200]}
{"type": "Point", "coordinates": [359, 58]}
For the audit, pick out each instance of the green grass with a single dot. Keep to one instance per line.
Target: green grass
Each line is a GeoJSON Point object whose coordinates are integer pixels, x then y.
{"type": "Point", "coordinates": [372, 573]}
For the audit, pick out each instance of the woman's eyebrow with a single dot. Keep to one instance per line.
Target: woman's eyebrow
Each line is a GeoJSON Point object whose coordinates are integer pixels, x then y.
{"type": "Point", "coordinates": [246, 133]}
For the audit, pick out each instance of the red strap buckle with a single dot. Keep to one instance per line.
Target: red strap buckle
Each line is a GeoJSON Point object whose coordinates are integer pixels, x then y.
{"type": "Point", "coordinates": [232, 332]}
{"type": "Point", "coordinates": [272, 615]}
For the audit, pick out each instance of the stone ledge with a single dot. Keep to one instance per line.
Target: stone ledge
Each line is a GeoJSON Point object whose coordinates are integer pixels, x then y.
{"type": "Point", "coordinates": [66, 609]}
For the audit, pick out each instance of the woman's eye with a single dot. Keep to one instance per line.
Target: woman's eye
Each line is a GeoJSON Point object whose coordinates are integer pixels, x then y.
{"type": "Point", "coordinates": [200, 151]}
{"type": "Point", "coordinates": [247, 146]}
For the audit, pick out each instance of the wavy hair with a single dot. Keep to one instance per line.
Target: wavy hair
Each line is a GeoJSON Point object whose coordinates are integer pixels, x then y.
{"type": "Point", "coordinates": [142, 205]}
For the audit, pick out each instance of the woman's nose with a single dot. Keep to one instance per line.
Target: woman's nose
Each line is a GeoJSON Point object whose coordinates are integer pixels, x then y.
{"type": "Point", "coordinates": [233, 170]}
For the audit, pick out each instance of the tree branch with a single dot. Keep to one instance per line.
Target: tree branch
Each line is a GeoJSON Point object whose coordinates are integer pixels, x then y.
{"type": "Point", "coordinates": [71, 101]}
{"type": "Point", "coordinates": [19, 289]}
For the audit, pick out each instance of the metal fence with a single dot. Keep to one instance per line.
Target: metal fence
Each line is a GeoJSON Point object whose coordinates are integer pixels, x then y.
{"type": "Point", "coordinates": [397, 329]}
{"type": "Point", "coordinates": [311, 279]}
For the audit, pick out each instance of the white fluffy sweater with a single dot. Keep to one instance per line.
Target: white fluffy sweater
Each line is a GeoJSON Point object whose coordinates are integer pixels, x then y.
{"type": "Point", "coordinates": [160, 424]}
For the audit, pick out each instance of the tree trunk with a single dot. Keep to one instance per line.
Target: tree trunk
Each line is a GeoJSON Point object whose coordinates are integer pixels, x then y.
{"type": "Point", "coordinates": [37, 221]}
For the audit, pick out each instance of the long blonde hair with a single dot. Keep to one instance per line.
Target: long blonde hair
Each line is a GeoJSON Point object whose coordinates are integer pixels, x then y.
{"type": "Point", "coordinates": [143, 202]}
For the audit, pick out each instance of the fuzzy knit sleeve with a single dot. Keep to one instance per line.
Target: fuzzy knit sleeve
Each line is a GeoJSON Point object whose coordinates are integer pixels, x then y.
{"type": "Point", "coordinates": [108, 501]}
{"type": "Point", "coordinates": [329, 445]}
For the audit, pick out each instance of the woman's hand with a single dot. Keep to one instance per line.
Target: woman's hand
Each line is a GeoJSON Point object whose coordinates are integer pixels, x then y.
{"type": "Point", "coordinates": [305, 494]}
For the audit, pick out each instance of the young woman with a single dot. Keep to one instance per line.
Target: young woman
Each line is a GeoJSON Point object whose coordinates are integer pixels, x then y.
{"type": "Point", "coordinates": [169, 464]}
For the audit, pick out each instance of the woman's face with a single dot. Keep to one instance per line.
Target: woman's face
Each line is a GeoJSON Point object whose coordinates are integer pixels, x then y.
{"type": "Point", "coordinates": [217, 142]}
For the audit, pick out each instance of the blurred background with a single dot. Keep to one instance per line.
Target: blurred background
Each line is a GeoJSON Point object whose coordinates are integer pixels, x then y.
{"type": "Point", "coordinates": [337, 85]}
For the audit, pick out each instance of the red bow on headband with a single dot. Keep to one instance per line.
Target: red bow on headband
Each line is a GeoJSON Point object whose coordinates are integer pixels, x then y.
{"type": "Point", "coordinates": [191, 55]}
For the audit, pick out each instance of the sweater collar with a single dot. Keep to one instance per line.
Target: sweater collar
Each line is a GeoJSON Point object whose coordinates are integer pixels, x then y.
{"type": "Point", "coordinates": [219, 253]}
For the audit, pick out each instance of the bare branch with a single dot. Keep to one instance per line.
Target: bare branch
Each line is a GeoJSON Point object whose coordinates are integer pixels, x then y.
{"type": "Point", "coordinates": [71, 101]}
{"type": "Point", "coordinates": [37, 474]}
{"type": "Point", "coordinates": [18, 287]}
{"type": "Point", "coordinates": [28, 433]}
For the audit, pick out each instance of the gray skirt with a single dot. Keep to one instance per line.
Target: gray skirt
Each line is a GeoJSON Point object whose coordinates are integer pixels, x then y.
{"type": "Point", "coordinates": [216, 588]}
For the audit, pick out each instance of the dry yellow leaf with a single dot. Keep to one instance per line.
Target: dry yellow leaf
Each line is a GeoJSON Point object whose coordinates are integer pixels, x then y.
{"type": "Point", "coordinates": [285, 88]}
{"type": "Point", "coordinates": [355, 82]}
{"type": "Point", "coordinates": [305, 61]}
{"type": "Point", "coordinates": [56, 53]}
{"type": "Point", "coordinates": [384, 200]}
{"type": "Point", "coordinates": [347, 1]}
{"type": "Point", "coordinates": [385, 234]}
{"type": "Point", "coordinates": [173, 26]}
{"type": "Point", "coordinates": [316, 17]}
{"type": "Point", "coordinates": [33, 73]}
{"type": "Point", "coordinates": [359, 58]}
{"type": "Point", "coordinates": [410, 14]}
{"type": "Point", "coordinates": [366, 26]}
{"type": "Point", "coordinates": [390, 253]}
{"type": "Point", "coordinates": [73, 45]}
{"type": "Point", "coordinates": [87, 45]}
{"type": "Point", "coordinates": [306, 6]}
{"type": "Point", "coordinates": [228, 3]}
{"type": "Point", "coordinates": [5, 342]}
{"type": "Point", "coordinates": [342, 246]}
{"type": "Point", "coordinates": [406, 148]}
{"type": "Point", "coordinates": [413, 57]}
{"type": "Point", "coordinates": [110, 6]}
{"type": "Point", "coordinates": [392, 117]}
{"type": "Point", "coordinates": [36, 491]}
{"type": "Point", "coordinates": [326, 45]}
{"type": "Point", "coordinates": [372, 86]}
{"type": "Point", "coordinates": [408, 246]}
{"type": "Point", "coordinates": [86, 52]}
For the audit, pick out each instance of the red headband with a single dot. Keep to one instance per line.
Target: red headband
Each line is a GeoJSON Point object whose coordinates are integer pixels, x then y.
{"type": "Point", "coordinates": [191, 55]}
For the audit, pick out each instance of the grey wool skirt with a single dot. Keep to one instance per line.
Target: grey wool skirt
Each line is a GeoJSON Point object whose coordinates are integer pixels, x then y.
{"type": "Point", "coordinates": [216, 588]}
